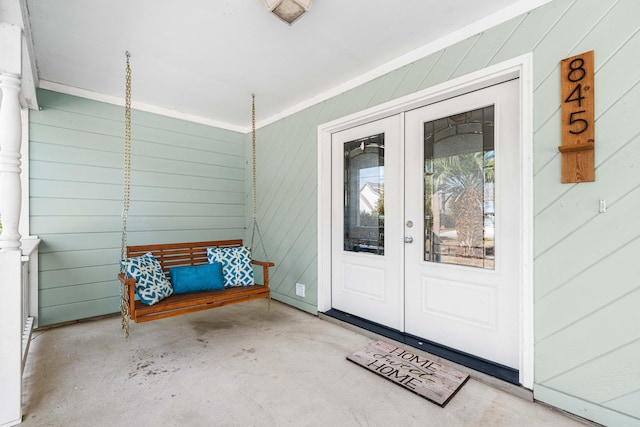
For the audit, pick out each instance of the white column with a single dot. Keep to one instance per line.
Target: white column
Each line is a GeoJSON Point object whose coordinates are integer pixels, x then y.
{"type": "Point", "coordinates": [10, 141]}
{"type": "Point", "coordinates": [10, 203]}
{"type": "Point", "coordinates": [10, 135]}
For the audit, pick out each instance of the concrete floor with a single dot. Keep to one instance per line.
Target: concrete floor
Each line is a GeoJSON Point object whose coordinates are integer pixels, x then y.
{"type": "Point", "coordinates": [237, 366]}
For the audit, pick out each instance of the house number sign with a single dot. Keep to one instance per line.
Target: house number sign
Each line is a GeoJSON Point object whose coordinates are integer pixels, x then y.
{"type": "Point", "coordinates": [577, 91]}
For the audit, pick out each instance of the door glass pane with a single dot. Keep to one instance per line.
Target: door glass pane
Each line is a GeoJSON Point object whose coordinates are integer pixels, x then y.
{"type": "Point", "coordinates": [459, 179]}
{"type": "Point", "coordinates": [364, 195]}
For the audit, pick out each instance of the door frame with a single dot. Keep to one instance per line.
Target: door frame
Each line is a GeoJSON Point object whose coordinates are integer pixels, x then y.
{"type": "Point", "coordinates": [520, 67]}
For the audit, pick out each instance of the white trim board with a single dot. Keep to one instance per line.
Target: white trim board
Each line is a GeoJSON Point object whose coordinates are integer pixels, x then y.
{"type": "Point", "coordinates": [517, 67]}
{"type": "Point", "coordinates": [116, 100]}
{"type": "Point", "coordinates": [584, 409]}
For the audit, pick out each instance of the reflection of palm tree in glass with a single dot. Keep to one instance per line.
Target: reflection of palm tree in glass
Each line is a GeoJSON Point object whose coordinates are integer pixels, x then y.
{"type": "Point", "coordinates": [459, 182]}
{"type": "Point", "coordinates": [380, 207]}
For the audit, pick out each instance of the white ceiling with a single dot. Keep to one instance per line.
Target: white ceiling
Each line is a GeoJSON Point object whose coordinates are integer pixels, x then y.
{"type": "Point", "coordinates": [202, 59]}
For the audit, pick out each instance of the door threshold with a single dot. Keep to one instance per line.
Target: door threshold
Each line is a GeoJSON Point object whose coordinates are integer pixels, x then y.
{"type": "Point", "coordinates": [494, 374]}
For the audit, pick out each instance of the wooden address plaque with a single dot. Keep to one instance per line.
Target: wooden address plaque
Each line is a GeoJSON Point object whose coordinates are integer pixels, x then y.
{"type": "Point", "coordinates": [577, 118]}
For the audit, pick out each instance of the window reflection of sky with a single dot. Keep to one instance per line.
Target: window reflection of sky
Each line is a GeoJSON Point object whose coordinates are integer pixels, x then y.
{"type": "Point", "coordinates": [374, 175]}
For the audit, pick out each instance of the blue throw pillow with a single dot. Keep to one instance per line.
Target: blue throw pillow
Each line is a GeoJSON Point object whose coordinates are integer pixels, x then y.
{"type": "Point", "coordinates": [152, 285]}
{"type": "Point", "coordinates": [236, 265]}
{"type": "Point", "coordinates": [195, 278]}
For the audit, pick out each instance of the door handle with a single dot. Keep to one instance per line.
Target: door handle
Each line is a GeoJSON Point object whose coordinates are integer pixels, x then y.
{"type": "Point", "coordinates": [408, 239]}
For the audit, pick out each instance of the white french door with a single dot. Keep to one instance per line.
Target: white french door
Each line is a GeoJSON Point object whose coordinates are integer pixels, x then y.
{"type": "Point", "coordinates": [426, 222]}
{"type": "Point", "coordinates": [366, 221]}
{"type": "Point", "coordinates": [463, 180]}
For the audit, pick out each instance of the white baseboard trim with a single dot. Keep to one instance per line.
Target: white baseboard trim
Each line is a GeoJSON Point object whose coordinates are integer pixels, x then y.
{"type": "Point", "coordinates": [582, 408]}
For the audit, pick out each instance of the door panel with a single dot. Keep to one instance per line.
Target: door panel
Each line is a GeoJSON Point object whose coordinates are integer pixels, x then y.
{"type": "Point", "coordinates": [462, 172]}
{"type": "Point", "coordinates": [442, 298]}
{"type": "Point", "coordinates": [367, 223]}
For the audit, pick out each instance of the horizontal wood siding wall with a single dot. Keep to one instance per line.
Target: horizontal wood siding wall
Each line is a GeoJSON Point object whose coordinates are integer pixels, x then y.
{"type": "Point", "coordinates": [587, 280]}
{"type": "Point", "coordinates": [188, 183]}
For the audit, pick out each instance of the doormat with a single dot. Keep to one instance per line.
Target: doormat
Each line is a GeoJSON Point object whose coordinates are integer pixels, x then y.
{"type": "Point", "coordinates": [433, 381]}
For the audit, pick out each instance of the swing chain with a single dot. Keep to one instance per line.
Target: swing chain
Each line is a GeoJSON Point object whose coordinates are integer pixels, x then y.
{"type": "Point", "coordinates": [254, 175]}
{"type": "Point", "coordinates": [253, 154]}
{"type": "Point", "coordinates": [124, 297]}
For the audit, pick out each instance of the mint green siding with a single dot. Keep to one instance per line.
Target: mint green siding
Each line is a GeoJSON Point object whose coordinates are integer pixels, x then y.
{"type": "Point", "coordinates": [586, 274]}
{"type": "Point", "coordinates": [188, 184]}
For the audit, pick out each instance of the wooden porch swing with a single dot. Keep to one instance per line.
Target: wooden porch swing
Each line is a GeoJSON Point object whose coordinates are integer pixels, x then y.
{"type": "Point", "coordinates": [172, 255]}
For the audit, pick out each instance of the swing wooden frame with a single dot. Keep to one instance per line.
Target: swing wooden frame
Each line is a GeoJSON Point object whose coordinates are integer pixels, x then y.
{"type": "Point", "coordinates": [188, 254]}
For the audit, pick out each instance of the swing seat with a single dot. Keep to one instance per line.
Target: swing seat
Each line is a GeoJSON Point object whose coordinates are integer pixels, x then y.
{"type": "Point", "coordinates": [188, 254]}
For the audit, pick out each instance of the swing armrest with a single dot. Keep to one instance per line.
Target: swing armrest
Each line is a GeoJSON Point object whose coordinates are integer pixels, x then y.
{"type": "Point", "coordinates": [263, 263]}
{"type": "Point", "coordinates": [129, 290]}
{"type": "Point", "coordinates": [127, 281]}
{"type": "Point", "coordinates": [265, 270]}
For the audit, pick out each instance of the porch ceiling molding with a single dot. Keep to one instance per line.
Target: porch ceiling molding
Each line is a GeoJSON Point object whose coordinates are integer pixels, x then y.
{"type": "Point", "coordinates": [115, 100]}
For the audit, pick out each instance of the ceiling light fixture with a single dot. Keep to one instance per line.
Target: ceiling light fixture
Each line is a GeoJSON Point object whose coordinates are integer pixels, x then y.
{"type": "Point", "coordinates": [288, 10]}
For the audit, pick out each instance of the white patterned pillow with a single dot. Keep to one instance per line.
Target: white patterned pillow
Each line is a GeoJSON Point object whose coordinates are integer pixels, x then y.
{"type": "Point", "coordinates": [152, 285]}
{"type": "Point", "coordinates": [236, 265]}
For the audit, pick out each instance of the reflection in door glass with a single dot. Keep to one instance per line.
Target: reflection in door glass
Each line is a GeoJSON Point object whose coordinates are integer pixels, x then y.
{"type": "Point", "coordinates": [364, 195]}
{"type": "Point", "coordinates": [459, 181]}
